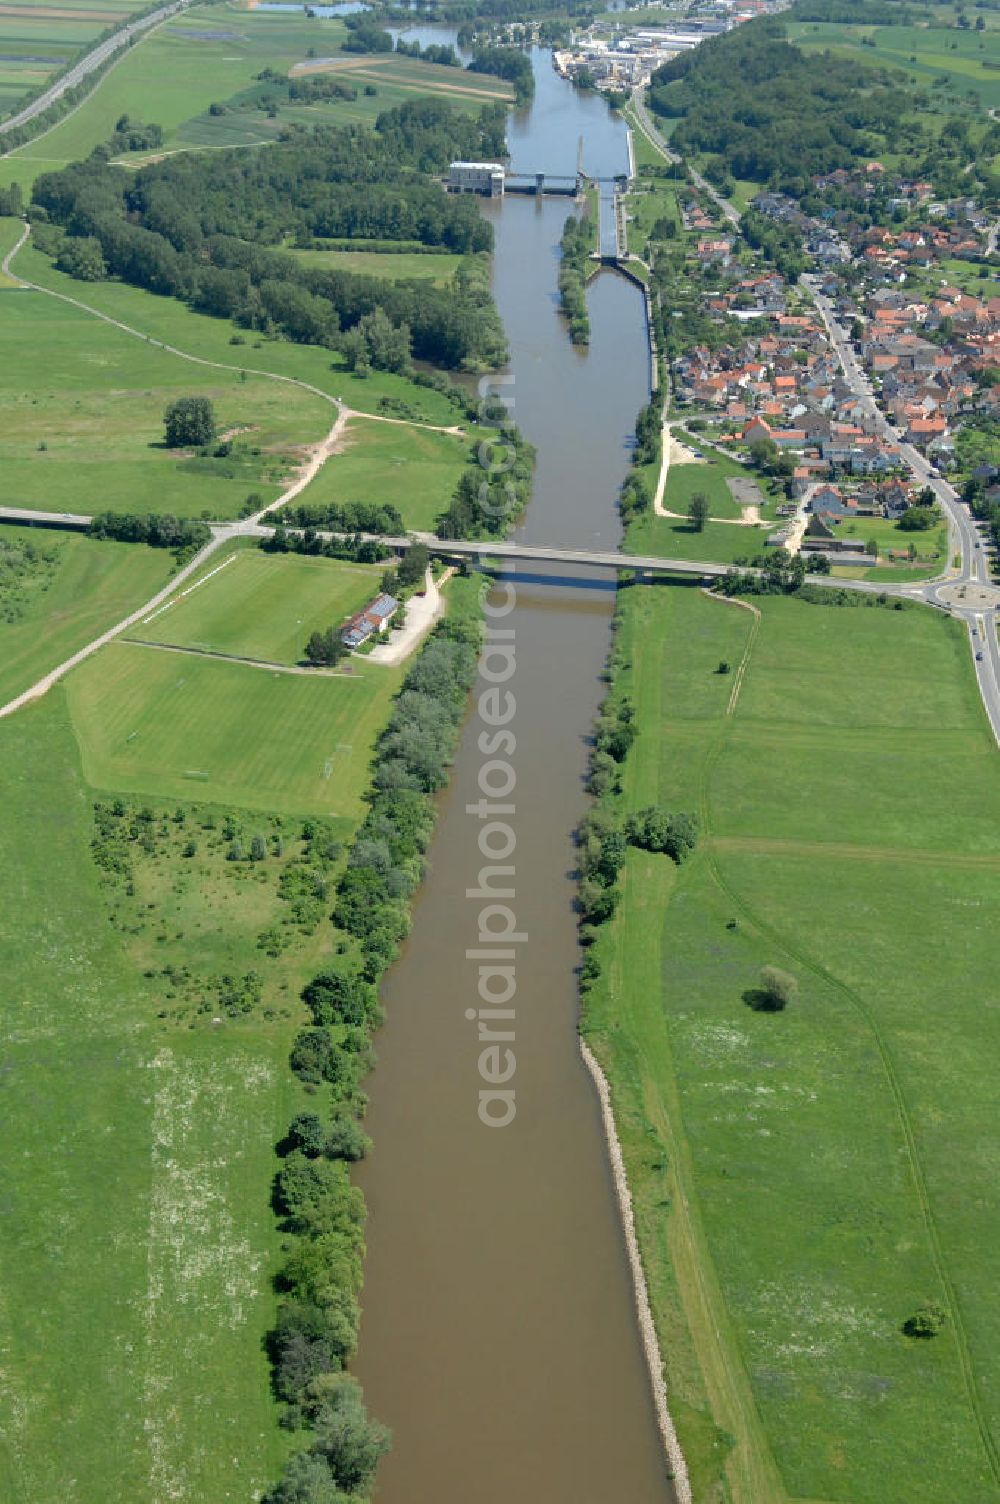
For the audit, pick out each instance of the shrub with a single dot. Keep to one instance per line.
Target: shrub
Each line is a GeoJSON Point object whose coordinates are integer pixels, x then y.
{"type": "Point", "coordinates": [777, 989]}
{"type": "Point", "coordinates": [656, 829]}
{"type": "Point", "coordinates": [926, 1321]}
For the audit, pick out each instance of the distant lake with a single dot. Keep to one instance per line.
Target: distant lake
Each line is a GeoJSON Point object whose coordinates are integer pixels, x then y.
{"type": "Point", "coordinates": [325, 12]}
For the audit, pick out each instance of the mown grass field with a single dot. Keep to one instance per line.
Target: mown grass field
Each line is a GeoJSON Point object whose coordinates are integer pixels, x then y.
{"type": "Point", "coordinates": [173, 74]}
{"type": "Point", "coordinates": [259, 605]}
{"type": "Point", "coordinates": [416, 469]}
{"type": "Point", "coordinates": [91, 586]}
{"type": "Point", "coordinates": [893, 544]}
{"type": "Point", "coordinates": [81, 420]}
{"type": "Point", "coordinates": [925, 53]}
{"type": "Point", "coordinates": [675, 538]}
{"type": "Point", "coordinates": [805, 1180]}
{"type": "Point", "coordinates": [187, 727]}
{"type": "Point", "coordinates": [137, 1240]}
{"type": "Point", "coordinates": [197, 334]}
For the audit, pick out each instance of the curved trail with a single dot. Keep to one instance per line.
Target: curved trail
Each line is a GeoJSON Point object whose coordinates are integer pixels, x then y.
{"type": "Point", "coordinates": [5, 266]}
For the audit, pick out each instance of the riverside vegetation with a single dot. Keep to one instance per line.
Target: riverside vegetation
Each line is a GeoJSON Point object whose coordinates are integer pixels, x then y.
{"type": "Point", "coordinates": [320, 1281]}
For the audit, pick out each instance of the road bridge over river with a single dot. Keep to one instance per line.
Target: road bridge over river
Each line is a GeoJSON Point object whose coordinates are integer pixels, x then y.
{"type": "Point", "coordinates": [483, 551]}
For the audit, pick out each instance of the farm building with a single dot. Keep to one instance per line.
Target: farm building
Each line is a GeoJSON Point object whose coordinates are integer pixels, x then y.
{"type": "Point", "coordinates": [375, 617]}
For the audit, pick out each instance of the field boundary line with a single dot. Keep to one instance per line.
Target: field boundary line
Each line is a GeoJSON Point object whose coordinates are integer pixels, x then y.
{"type": "Point", "coordinates": [907, 1132]}
{"type": "Point", "coordinates": [271, 665]}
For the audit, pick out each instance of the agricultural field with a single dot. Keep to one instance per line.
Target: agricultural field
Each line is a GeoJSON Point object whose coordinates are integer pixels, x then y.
{"type": "Point", "coordinates": [37, 41]}
{"type": "Point", "coordinates": [212, 54]}
{"type": "Point", "coordinates": [259, 605]}
{"type": "Point", "coordinates": [81, 418]}
{"type": "Point", "coordinates": [58, 591]}
{"type": "Point", "coordinates": [416, 469]}
{"type": "Point", "coordinates": [185, 726]}
{"type": "Point", "coordinates": [968, 60]}
{"type": "Point", "coordinates": [220, 340]}
{"type": "Point", "coordinates": [865, 1100]}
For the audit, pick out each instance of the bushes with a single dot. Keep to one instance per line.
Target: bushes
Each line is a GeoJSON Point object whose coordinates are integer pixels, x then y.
{"type": "Point", "coordinates": [926, 1321]}
{"type": "Point", "coordinates": [777, 989]}
{"type": "Point", "coordinates": [493, 489]}
{"type": "Point", "coordinates": [657, 829]}
{"type": "Point", "coordinates": [411, 759]}
{"type": "Point", "coordinates": [576, 245]}
{"type": "Point", "coordinates": [158, 532]}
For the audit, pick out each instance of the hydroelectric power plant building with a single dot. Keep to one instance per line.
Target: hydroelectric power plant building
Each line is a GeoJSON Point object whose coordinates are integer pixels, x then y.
{"type": "Point", "coordinates": [484, 178]}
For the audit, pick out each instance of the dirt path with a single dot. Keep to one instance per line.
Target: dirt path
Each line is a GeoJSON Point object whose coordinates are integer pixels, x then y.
{"type": "Point", "coordinates": [673, 452]}
{"type": "Point", "coordinates": [5, 265]}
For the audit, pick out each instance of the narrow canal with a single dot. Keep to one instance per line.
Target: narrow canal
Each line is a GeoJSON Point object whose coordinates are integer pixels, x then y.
{"type": "Point", "coordinates": [499, 1338]}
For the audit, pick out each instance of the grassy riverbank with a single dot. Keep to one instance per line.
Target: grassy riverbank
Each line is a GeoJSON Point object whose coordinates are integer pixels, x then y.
{"type": "Point", "coordinates": [805, 1180]}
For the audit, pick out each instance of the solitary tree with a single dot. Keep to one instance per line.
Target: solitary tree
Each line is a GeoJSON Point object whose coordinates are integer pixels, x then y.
{"type": "Point", "coordinates": [325, 649]}
{"type": "Point", "coordinates": [778, 988]}
{"type": "Point", "coordinates": [698, 511]}
{"type": "Point", "coordinates": [413, 564]}
{"type": "Point", "coordinates": [926, 1321]}
{"type": "Point", "coordinates": [190, 421]}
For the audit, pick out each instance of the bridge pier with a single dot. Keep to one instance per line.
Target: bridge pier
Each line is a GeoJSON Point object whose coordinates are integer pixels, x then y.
{"type": "Point", "coordinates": [539, 184]}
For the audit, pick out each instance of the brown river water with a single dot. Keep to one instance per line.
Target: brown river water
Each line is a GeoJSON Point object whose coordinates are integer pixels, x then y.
{"type": "Point", "coordinates": [499, 1339]}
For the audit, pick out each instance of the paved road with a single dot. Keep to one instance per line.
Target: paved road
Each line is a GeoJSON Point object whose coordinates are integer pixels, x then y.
{"type": "Point", "coordinates": [87, 64]}
{"type": "Point", "coordinates": [649, 128]}
{"type": "Point", "coordinates": [967, 591]}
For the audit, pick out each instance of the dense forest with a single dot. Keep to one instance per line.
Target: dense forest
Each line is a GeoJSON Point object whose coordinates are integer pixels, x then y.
{"type": "Point", "coordinates": [772, 113]}
{"type": "Point", "coordinates": [205, 227]}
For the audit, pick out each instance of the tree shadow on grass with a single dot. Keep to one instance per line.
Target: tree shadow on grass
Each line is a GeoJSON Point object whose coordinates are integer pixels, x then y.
{"type": "Point", "coordinates": [761, 1001]}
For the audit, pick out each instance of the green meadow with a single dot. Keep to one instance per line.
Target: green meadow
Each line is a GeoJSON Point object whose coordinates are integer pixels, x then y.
{"type": "Point", "coordinates": [185, 726]}
{"type": "Point", "coordinates": [259, 605]}
{"type": "Point", "coordinates": [81, 419]}
{"type": "Point", "coordinates": [137, 1240]}
{"type": "Point", "coordinates": [437, 266]}
{"type": "Point", "coordinates": [221, 340]}
{"type": "Point", "coordinates": [416, 469]}
{"type": "Point", "coordinates": [805, 1180]}
{"type": "Point", "coordinates": [89, 586]}
{"type": "Point", "coordinates": [675, 538]}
